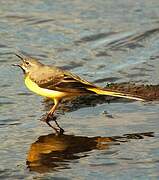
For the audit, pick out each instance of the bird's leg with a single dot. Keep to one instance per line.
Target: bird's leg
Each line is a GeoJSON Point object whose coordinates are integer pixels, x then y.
{"type": "Point", "coordinates": [47, 122]}
{"type": "Point", "coordinates": [50, 117]}
{"type": "Point", "coordinates": [52, 110]}
{"type": "Point", "coordinates": [61, 130]}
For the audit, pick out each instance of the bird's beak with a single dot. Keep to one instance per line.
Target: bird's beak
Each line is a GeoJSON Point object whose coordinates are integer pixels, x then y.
{"type": "Point", "coordinates": [16, 65]}
{"type": "Point", "coordinates": [19, 56]}
{"type": "Point", "coordinates": [19, 65]}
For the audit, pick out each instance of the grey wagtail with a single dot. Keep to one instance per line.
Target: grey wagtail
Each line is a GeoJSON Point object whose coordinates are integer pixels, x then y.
{"type": "Point", "coordinates": [55, 83]}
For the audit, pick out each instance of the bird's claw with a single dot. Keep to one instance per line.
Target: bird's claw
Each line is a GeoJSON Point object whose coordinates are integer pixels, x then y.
{"type": "Point", "coordinates": [61, 131]}
{"type": "Point", "coordinates": [48, 117]}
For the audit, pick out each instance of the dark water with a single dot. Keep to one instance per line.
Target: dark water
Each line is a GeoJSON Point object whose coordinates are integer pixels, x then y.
{"type": "Point", "coordinates": [103, 41]}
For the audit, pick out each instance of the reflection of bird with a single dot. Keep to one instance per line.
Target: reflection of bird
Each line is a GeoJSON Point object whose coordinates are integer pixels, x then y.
{"type": "Point", "coordinates": [51, 152]}
{"type": "Point", "coordinates": [55, 83]}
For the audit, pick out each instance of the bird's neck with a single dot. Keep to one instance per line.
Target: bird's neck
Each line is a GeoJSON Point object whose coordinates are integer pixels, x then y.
{"type": "Point", "coordinates": [26, 75]}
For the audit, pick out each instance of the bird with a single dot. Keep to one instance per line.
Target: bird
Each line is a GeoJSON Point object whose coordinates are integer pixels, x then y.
{"type": "Point", "coordinates": [56, 83]}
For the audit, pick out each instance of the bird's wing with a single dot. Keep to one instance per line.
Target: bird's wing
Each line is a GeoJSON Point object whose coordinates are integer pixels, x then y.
{"type": "Point", "coordinates": [64, 81]}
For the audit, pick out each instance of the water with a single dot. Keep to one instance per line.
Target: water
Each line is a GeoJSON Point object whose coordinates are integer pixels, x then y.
{"type": "Point", "coordinates": [102, 41]}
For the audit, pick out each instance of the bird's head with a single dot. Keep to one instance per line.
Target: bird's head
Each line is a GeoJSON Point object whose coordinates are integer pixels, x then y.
{"type": "Point", "coordinates": [28, 64]}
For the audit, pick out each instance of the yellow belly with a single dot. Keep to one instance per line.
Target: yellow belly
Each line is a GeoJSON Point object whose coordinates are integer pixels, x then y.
{"type": "Point", "coordinates": [41, 91]}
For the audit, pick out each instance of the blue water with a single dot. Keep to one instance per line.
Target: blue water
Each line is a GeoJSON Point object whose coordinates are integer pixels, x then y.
{"type": "Point", "coordinates": [117, 41]}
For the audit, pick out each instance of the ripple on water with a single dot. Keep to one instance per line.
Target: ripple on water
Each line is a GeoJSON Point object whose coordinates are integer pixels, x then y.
{"type": "Point", "coordinates": [6, 103]}
{"type": "Point", "coordinates": [9, 122]}
{"type": "Point", "coordinates": [41, 21]}
{"type": "Point", "coordinates": [108, 79]}
{"type": "Point", "coordinates": [94, 37]}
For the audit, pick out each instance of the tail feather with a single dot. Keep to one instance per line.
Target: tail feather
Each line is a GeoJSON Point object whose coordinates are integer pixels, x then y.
{"type": "Point", "coordinates": [115, 94]}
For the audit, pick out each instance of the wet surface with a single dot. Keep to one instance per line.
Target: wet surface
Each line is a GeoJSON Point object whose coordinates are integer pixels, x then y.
{"type": "Point", "coordinates": [112, 43]}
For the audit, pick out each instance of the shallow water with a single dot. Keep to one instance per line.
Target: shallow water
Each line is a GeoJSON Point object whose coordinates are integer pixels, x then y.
{"type": "Point", "coordinates": [102, 41]}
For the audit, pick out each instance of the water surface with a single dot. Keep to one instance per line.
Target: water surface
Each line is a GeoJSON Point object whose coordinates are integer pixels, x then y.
{"type": "Point", "coordinates": [102, 41]}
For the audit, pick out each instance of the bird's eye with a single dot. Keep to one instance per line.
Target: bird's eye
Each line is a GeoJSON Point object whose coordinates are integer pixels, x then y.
{"type": "Point", "coordinates": [27, 63]}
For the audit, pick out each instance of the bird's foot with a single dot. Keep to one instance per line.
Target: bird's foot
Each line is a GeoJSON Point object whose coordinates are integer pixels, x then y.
{"type": "Point", "coordinates": [58, 131]}
{"type": "Point", "coordinates": [61, 131]}
{"type": "Point", "coordinates": [47, 118]}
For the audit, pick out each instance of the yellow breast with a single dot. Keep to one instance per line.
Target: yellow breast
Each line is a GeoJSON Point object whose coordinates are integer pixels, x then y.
{"type": "Point", "coordinates": [42, 91]}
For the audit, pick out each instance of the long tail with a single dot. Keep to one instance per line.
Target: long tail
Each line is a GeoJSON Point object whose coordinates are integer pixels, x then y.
{"type": "Point", "coordinates": [116, 94]}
